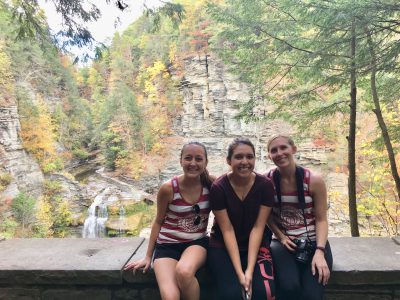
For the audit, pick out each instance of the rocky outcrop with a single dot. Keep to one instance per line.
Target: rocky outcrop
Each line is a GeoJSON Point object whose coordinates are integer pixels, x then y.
{"type": "Point", "coordinates": [24, 170]}
{"type": "Point", "coordinates": [212, 98]}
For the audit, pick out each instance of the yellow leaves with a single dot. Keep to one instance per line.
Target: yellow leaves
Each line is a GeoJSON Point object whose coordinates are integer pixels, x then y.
{"type": "Point", "coordinates": [38, 137]}
{"type": "Point", "coordinates": [159, 123]}
{"type": "Point", "coordinates": [377, 178]}
{"type": "Point", "coordinates": [44, 218]}
{"type": "Point", "coordinates": [62, 217]}
{"type": "Point", "coordinates": [6, 77]}
{"type": "Point", "coordinates": [5, 180]}
{"type": "Point", "coordinates": [131, 164]}
{"type": "Point", "coordinates": [153, 79]}
{"type": "Point", "coordinates": [158, 148]}
{"type": "Point", "coordinates": [143, 41]}
{"type": "Point", "coordinates": [5, 67]}
{"type": "Point", "coordinates": [172, 53]}
{"type": "Point", "coordinates": [157, 69]}
{"type": "Point", "coordinates": [150, 89]}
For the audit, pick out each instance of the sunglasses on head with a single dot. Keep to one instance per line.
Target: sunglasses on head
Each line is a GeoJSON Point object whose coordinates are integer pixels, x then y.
{"type": "Point", "coordinates": [197, 219]}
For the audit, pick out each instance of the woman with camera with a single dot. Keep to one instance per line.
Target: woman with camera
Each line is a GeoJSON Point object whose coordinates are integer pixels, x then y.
{"type": "Point", "coordinates": [300, 249]}
{"type": "Point", "coordinates": [239, 255]}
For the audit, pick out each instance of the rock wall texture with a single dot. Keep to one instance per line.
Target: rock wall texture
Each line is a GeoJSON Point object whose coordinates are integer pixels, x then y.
{"type": "Point", "coordinates": [212, 98]}
{"type": "Point", "coordinates": [25, 172]}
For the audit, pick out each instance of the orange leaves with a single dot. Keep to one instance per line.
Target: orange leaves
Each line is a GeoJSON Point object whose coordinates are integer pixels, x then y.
{"type": "Point", "coordinates": [200, 37]}
{"type": "Point", "coordinates": [37, 133]}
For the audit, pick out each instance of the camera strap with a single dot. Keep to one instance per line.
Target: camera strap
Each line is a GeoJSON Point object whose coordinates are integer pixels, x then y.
{"type": "Point", "coordinates": [300, 192]}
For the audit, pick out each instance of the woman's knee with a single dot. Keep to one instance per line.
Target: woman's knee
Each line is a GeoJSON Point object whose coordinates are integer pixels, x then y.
{"type": "Point", "coordinates": [290, 288]}
{"type": "Point", "coordinates": [170, 293]}
{"type": "Point", "coordinates": [184, 273]}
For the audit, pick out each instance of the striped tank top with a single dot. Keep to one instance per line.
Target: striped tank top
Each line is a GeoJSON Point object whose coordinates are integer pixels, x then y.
{"type": "Point", "coordinates": [290, 216]}
{"type": "Point", "coordinates": [179, 224]}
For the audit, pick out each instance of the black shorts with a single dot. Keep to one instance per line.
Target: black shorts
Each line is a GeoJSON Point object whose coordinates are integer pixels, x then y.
{"type": "Point", "coordinates": [175, 250]}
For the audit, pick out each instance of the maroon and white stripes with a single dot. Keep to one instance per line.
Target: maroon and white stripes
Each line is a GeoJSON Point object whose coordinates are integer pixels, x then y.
{"type": "Point", "coordinates": [291, 216]}
{"type": "Point", "coordinates": [179, 225]}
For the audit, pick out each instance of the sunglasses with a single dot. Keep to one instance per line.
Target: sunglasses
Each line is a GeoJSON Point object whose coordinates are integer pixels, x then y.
{"type": "Point", "coordinates": [196, 209]}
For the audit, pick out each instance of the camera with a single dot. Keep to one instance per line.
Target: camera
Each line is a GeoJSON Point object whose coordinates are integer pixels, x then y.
{"type": "Point", "coordinates": [304, 250]}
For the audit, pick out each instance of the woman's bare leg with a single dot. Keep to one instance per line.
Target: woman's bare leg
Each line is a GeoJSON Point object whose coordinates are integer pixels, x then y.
{"type": "Point", "coordinates": [165, 270]}
{"type": "Point", "coordinates": [191, 260]}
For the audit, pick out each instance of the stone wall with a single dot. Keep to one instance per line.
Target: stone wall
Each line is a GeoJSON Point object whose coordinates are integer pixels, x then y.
{"type": "Point", "coordinates": [63, 269]}
{"type": "Point", "coordinates": [25, 172]}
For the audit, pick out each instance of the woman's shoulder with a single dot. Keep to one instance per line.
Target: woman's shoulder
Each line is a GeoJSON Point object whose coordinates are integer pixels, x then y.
{"type": "Point", "coordinates": [316, 182]}
{"type": "Point", "coordinates": [263, 178]}
{"type": "Point", "coordinates": [166, 188]}
{"type": "Point", "coordinates": [314, 175]}
{"type": "Point", "coordinates": [212, 178]}
{"type": "Point", "coordinates": [270, 172]}
{"type": "Point", "coordinates": [220, 179]}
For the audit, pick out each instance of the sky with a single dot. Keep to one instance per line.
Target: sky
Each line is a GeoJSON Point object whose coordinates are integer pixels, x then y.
{"type": "Point", "coordinates": [104, 28]}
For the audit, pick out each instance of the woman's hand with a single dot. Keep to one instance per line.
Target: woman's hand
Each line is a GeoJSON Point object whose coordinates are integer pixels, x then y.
{"type": "Point", "coordinates": [248, 281]}
{"type": "Point", "coordinates": [288, 243]}
{"type": "Point", "coordinates": [242, 281]}
{"type": "Point", "coordinates": [142, 263]}
{"type": "Point", "coordinates": [319, 265]}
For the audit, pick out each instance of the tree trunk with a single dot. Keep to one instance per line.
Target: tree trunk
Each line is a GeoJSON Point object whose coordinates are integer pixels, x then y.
{"type": "Point", "coordinates": [352, 140]}
{"type": "Point", "coordinates": [379, 116]}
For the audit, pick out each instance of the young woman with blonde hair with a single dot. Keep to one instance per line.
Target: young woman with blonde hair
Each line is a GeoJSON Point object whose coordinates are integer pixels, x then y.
{"type": "Point", "coordinates": [300, 249]}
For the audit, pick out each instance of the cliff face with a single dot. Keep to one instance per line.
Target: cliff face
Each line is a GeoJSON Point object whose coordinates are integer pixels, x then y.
{"type": "Point", "coordinates": [211, 100]}
{"type": "Point", "coordinates": [24, 170]}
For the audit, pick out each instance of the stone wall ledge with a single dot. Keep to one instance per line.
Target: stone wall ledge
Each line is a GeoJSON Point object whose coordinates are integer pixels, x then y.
{"type": "Point", "coordinates": [65, 261]}
{"type": "Point", "coordinates": [364, 268]}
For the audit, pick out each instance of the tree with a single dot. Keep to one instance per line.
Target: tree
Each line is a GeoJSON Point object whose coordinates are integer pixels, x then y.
{"type": "Point", "coordinates": [386, 32]}
{"type": "Point", "coordinates": [37, 133]}
{"type": "Point", "coordinates": [292, 53]}
{"type": "Point", "coordinates": [75, 14]}
{"type": "Point", "coordinates": [6, 76]}
{"type": "Point", "coordinates": [23, 207]}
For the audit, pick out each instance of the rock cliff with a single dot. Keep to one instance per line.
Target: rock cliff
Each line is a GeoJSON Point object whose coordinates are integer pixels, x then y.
{"type": "Point", "coordinates": [24, 170]}
{"type": "Point", "coordinates": [212, 98]}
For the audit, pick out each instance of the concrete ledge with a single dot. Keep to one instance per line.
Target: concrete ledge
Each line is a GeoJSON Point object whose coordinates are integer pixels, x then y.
{"type": "Point", "coordinates": [44, 269]}
{"type": "Point", "coordinates": [359, 261]}
{"type": "Point", "coordinates": [65, 261]}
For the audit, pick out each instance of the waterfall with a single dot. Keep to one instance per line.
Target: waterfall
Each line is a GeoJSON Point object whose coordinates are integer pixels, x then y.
{"type": "Point", "coordinates": [94, 225]}
{"type": "Point", "coordinates": [121, 229]}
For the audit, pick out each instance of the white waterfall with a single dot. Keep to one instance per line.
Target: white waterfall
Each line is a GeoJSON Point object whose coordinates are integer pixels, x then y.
{"type": "Point", "coordinates": [121, 221]}
{"type": "Point", "coordinates": [94, 225]}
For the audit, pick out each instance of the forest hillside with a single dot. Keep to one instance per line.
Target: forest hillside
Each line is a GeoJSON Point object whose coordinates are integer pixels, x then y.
{"type": "Point", "coordinates": [228, 68]}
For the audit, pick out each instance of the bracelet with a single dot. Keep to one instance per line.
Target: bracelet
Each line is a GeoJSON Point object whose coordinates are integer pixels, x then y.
{"type": "Point", "coordinates": [320, 248]}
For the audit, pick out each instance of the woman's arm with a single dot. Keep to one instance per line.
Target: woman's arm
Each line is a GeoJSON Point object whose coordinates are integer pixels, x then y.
{"type": "Point", "coordinates": [230, 241]}
{"type": "Point", "coordinates": [319, 195]}
{"type": "Point", "coordinates": [279, 234]}
{"type": "Point", "coordinates": [164, 196]}
{"type": "Point", "coordinates": [255, 239]}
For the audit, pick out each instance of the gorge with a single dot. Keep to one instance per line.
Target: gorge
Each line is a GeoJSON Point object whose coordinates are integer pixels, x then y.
{"type": "Point", "coordinates": [211, 99]}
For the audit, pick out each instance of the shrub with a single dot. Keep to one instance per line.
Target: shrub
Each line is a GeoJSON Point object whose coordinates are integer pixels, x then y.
{"type": "Point", "coordinates": [80, 154]}
{"type": "Point", "coordinates": [51, 188]}
{"type": "Point", "coordinates": [23, 207]}
{"type": "Point", "coordinates": [8, 227]}
{"type": "Point", "coordinates": [5, 180]}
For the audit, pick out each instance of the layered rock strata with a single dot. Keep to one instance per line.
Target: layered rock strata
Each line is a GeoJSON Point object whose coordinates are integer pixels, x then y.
{"type": "Point", "coordinates": [24, 170]}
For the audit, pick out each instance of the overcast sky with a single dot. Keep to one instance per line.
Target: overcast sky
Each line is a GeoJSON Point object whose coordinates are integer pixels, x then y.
{"type": "Point", "coordinates": [104, 28]}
